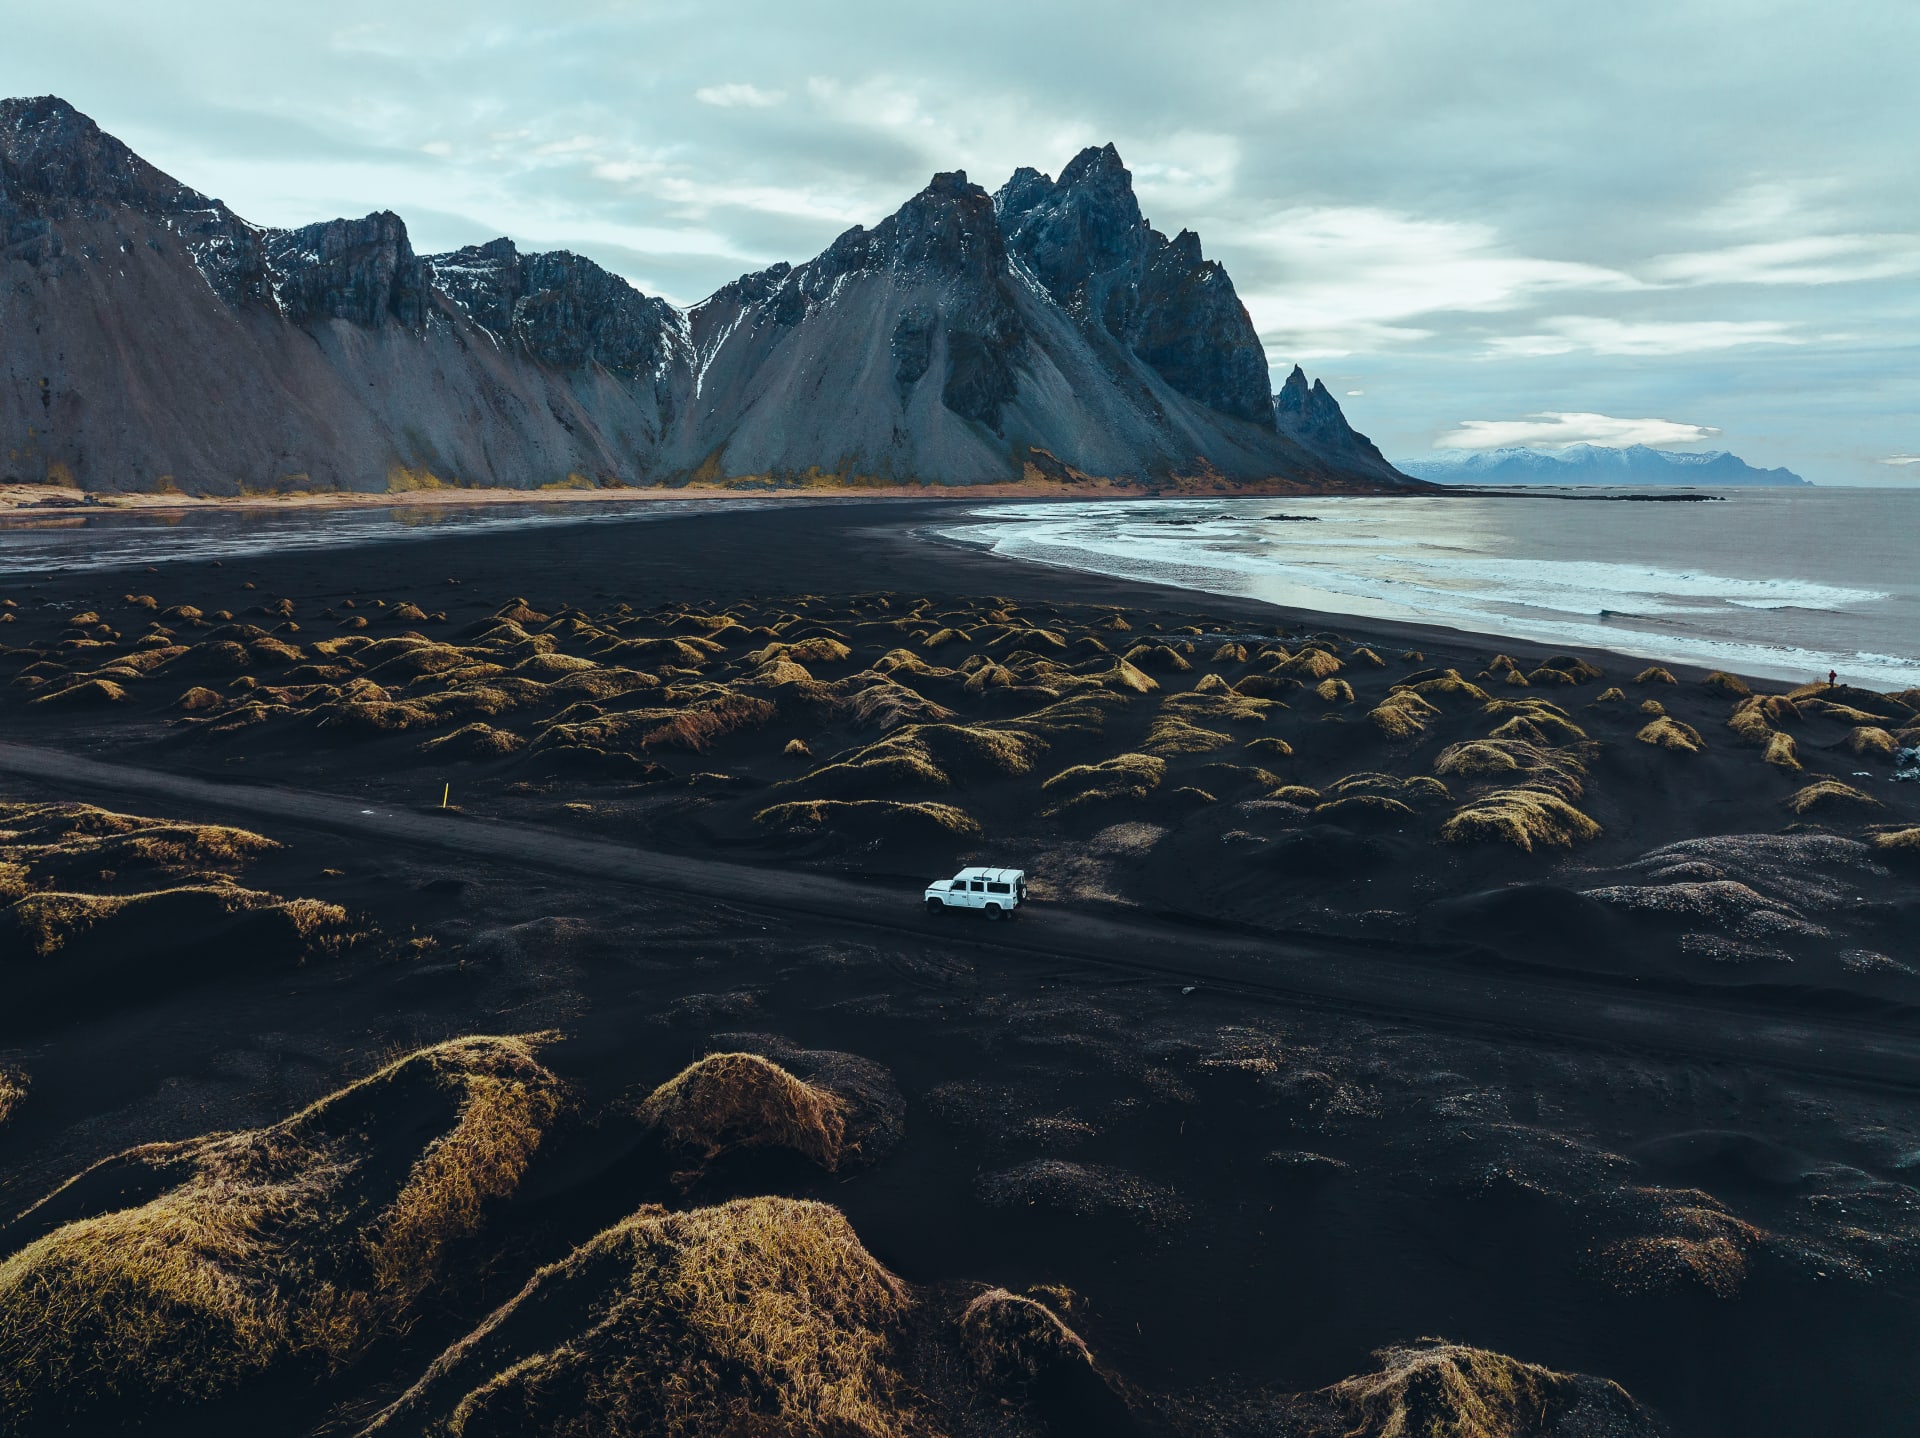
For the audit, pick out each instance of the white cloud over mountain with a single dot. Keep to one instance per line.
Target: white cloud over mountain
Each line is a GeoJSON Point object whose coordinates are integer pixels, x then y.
{"type": "Point", "coordinates": [1458, 207]}
{"type": "Point", "coordinates": [1557, 430]}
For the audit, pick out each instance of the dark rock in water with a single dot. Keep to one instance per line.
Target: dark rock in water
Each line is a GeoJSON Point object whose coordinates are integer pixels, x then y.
{"type": "Point", "coordinates": [1311, 415]}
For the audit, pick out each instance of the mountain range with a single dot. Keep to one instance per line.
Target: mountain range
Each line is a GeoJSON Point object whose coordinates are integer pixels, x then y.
{"type": "Point", "coordinates": [154, 340]}
{"type": "Point", "coordinates": [1593, 464]}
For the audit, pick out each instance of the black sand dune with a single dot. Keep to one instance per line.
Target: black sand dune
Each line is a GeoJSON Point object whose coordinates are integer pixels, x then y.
{"type": "Point", "coordinates": [1025, 1193]}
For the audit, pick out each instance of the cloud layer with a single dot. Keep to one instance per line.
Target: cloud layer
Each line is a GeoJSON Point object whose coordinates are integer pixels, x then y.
{"type": "Point", "coordinates": [1488, 207]}
{"type": "Point", "coordinates": [1558, 430]}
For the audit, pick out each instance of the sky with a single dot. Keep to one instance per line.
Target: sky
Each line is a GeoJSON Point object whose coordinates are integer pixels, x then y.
{"type": "Point", "coordinates": [1691, 223]}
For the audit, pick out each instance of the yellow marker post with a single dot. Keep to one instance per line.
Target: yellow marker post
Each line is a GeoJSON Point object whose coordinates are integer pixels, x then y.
{"type": "Point", "coordinates": [446, 794]}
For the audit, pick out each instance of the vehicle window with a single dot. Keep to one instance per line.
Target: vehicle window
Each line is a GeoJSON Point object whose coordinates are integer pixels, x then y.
{"type": "Point", "coordinates": [978, 886]}
{"type": "Point", "coordinates": [998, 889]}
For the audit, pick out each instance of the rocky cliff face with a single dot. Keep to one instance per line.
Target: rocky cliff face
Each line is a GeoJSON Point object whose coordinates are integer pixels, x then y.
{"type": "Point", "coordinates": [360, 271]}
{"type": "Point", "coordinates": [1313, 417]}
{"type": "Point", "coordinates": [58, 169]}
{"type": "Point", "coordinates": [1085, 239]}
{"type": "Point", "coordinates": [559, 309]}
{"type": "Point", "coordinates": [929, 347]}
{"type": "Point", "coordinates": [149, 337]}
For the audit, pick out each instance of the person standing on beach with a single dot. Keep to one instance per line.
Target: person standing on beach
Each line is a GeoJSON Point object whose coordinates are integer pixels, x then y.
{"type": "Point", "coordinates": [1833, 678]}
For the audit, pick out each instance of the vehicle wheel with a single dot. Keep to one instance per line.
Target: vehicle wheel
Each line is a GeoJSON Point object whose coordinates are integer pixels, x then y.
{"type": "Point", "coordinates": [936, 906]}
{"type": "Point", "coordinates": [994, 911]}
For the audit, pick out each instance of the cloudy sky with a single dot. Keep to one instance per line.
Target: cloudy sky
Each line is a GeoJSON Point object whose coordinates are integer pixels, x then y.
{"type": "Point", "coordinates": [1686, 222]}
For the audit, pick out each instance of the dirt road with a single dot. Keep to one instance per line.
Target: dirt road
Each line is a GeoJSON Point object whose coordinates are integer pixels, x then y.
{"type": "Point", "coordinates": [1427, 987]}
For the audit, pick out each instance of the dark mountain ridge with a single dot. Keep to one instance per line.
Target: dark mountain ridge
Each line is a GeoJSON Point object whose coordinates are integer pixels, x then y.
{"type": "Point", "coordinates": [1596, 464]}
{"type": "Point", "coordinates": [152, 339]}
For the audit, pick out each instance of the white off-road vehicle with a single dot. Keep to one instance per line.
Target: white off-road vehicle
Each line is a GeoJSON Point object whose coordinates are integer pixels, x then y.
{"type": "Point", "coordinates": [997, 892]}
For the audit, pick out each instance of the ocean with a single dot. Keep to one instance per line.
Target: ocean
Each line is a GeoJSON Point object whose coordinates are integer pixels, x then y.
{"type": "Point", "coordinates": [1784, 584]}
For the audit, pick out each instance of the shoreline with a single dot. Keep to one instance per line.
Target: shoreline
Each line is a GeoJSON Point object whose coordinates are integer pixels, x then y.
{"type": "Point", "coordinates": [807, 539]}
{"type": "Point", "coordinates": [67, 499]}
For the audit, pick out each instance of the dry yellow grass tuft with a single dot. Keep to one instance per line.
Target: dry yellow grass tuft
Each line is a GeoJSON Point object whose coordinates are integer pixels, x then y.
{"type": "Point", "coordinates": [1721, 682]}
{"type": "Point", "coordinates": [1171, 735]}
{"type": "Point", "coordinates": [1363, 810]}
{"type": "Point", "coordinates": [1124, 676]}
{"type": "Point", "coordinates": [1528, 819]}
{"type": "Point", "coordinates": [1783, 752]}
{"type": "Point", "coordinates": [1446, 1390]}
{"type": "Point", "coordinates": [1221, 705]}
{"type": "Point", "coordinates": [1543, 725]}
{"type": "Point", "coordinates": [764, 1316]}
{"type": "Point", "coordinates": [13, 1091]}
{"type": "Point", "coordinates": [729, 1102]}
{"type": "Point", "coordinates": [1014, 1342]}
{"type": "Point", "coordinates": [1871, 741]}
{"type": "Point", "coordinates": [1898, 841]}
{"type": "Point", "coordinates": [1442, 686]}
{"type": "Point", "coordinates": [475, 741]}
{"type": "Point", "coordinates": [287, 1248]}
{"type": "Point", "coordinates": [1403, 714]}
{"type": "Point", "coordinates": [1310, 666]}
{"type": "Point", "coordinates": [1125, 776]}
{"type": "Point", "coordinates": [1698, 1243]}
{"type": "Point", "coordinates": [880, 819]}
{"type": "Point", "coordinates": [1269, 747]}
{"type": "Point", "coordinates": [932, 754]}
{"type": "Point", "coordinates": [1666, 732]}
{"type": "Point", "coordinates": [1826, 794]}
{"type": "Point", "coordinates": [47, 922]}
{"type": "Point", "coordinates": [1334, 691]}
{"type": "Point", "coordinates": [87, 693]}
{"type": "Point", "coordinates": [1615, 695]}
{"type": "Point", "coordinates": [1654, 674]}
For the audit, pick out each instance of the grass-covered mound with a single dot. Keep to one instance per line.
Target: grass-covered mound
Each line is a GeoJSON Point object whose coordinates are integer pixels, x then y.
{"type": "Point", "coordinates": [1123, 777]}
{"type": "Point", "coordinates": [877, 820]}
{"type": "Point", "coordinates": [58, 842]}
{"type": "Point", "coordinates": [733, 1101]}
{"type": "Point", "coordinates": [1528, 819]}
{"type": "Point", "coordinates": [1825, 796]}
{"type": "Point", "coordinates": [761, 1316]}
{"type": "Point", "coordinates": [1446, 1390]}
{"type": "Point", "coordinates": [179, 1272]}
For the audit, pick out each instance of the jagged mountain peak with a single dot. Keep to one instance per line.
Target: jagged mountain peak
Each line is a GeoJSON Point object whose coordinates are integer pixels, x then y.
{"type": "Point", "coordinates": [55, 161]}
{"type": "Point", "coordinates": [965, 338]}
{"type": "Point", "coordinates": [560, 308]}
{"type": "Point", "coordinates": [363, 271]}
{"type": "Point", "coordinates": [1086, 241]}
{"type": "Point", "coordinates": [948, 227]}
{"type": "Point", "coordinates": [1309, 414]}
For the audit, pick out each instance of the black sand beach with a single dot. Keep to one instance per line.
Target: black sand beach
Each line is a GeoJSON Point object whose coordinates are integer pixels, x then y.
{"type": "Point", "coordinates": [1149, 1104]}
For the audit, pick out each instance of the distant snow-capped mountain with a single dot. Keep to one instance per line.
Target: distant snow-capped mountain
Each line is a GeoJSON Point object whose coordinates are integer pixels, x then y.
{"type": "Point", "coordinates": [1593, 464]}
